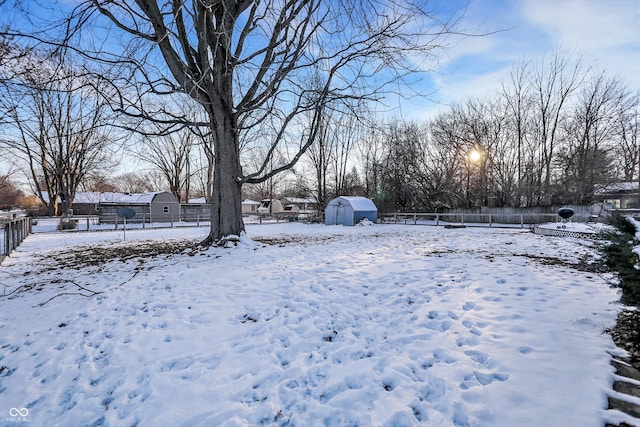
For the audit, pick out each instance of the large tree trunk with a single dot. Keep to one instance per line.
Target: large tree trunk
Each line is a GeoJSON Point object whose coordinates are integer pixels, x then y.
{"type": "Point", "coordinates": [226, 197]}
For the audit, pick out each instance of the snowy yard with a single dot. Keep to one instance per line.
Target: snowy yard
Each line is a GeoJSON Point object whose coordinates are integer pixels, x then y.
{"type": "Point", "coordinates": [307, 325]}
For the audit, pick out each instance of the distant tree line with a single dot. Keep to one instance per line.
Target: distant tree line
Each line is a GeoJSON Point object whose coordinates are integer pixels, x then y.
{"type": "Point", "coordinates": [554, 131]}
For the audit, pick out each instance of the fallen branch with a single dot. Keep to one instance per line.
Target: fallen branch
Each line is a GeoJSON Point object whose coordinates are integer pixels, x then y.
{"type": "Point", "coordinates": [68, 293]}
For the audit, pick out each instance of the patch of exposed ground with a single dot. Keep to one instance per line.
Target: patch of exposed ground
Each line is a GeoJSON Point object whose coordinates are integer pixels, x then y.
{"type": "Point", "coordinates": [293, 240]}
{"type": "Point", "coordinates": [96, 256]}
{"type": "Point", "coordinates": [626, 335]}
{"type": "Point", "coordinates": [585, 265]}
{"type": "Point", "coordinates": [55, 269]}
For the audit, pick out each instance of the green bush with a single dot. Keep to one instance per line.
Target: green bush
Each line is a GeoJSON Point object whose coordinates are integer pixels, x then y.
{"type": "Point", "coordinates": [619, 257]}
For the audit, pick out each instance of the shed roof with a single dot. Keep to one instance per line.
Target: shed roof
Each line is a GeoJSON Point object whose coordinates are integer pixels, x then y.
{"type": "Point", "coordinates": [123, 198]}
{"type": "Point", "coordinates": [359, 203]}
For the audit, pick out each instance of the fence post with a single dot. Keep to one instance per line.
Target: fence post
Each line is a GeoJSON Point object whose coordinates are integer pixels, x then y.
{"type": "Point", "coordinates": [14, 228]}
{"type": "Point", "coordinates": [521, 220]}
{"type": "Point", "coordinates": [490, 221]}
{"type": "Point", "coordinates": [7, 238]}
{"type": "Point", "coordinates": [171, 220]}
{"type": "Point", "coordinates": [462, 218]}
{"type": "Point", "coordinates": [11, 237]}
{"type": "Point", "coordinates": [437, 219]}
{"type": "Point", "coordinates": [415, 218]}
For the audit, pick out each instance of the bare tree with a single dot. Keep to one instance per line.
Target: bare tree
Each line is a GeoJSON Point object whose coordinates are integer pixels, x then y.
{"type": "Point", "coordinates": [247, 62]}
{"type": "Point", "coordinates": [371, 153]}
{"type": "Point", "coordinates": [56, 126]}
{"type": "Point", "coordinates": [331, 154]}
{"type": "Point", "coordinates": [443, 172]}
{"type": "Point", "coordinates": [589, 131]}
{"type": "Point", "coordinates": [627, 137]}
{"type": "Point", "coordinates": [319, 155]}
{"type": "Point", "coordinates": [552, 85]}
{"type": "Point", "coordinates": [170, 155]}
{"type": "Point", "coordinates": [10, 193]}
{"type": "Point", "coordinates": [134, 182]}
{"type": "Point", "coordinates": [402, 166]}
{"type": "Point", "coordinates": [517, 96]}
{"type": "Point", "coordinates": [97, 181]}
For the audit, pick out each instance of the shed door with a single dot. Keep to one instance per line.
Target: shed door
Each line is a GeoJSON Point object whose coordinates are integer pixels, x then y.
{"type": "Point", "coordinates": [341, 214]}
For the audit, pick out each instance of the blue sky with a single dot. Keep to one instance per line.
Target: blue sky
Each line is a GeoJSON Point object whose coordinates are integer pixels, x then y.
{"type": "Point", "coordinates": [605, 33]}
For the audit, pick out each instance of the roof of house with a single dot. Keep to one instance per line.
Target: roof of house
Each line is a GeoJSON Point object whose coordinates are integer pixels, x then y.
{"type": "Point", "coordinates": [202, 201]}
{"type": "Point", "coordinates": [197, 201]}
{"type": "Point", "coordinates": [95, 197]}
{"type": "Point", "coordinates": [301, 200]}
{"type": "Point", "coordinates": [617, 187]}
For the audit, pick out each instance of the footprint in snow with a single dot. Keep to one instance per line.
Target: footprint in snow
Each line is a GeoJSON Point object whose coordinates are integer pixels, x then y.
{"type": "Point", "coordinates": [478, 379]}
{"type": "Point", "coordinates": [469, 306]}
{"type": "Point", "coordinates": [478, 356]}
{"type": "Point", "coordinates": [434, 391]}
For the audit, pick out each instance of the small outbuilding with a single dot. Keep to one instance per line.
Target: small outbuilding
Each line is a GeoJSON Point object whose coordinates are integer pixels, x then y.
{"type": "Point", "coordinates": [159, 206]}
{"type": "Point", "coordinates": [347, 210]}
{"type": "Point", "coordinates": [270, 207]}
{"type": "Point", "coordinates": [250, 207]}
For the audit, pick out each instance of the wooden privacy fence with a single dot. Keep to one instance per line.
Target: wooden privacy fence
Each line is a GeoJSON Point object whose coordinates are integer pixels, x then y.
{"type": "Point", "coordinates": [12, 233]}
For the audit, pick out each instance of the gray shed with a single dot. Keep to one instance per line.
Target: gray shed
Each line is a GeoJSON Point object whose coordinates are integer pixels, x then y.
{"type": "Point", "coordinates": [160, 206]}
{"type": "Point", "coordinates": [347, 210]}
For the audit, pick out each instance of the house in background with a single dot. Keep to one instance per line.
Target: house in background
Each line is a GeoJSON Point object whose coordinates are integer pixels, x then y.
{"type": "Point", "coordinates": [270, 207]}
{"type": "Point", "coordinates": [85, 203]}
{"type": "Point", "coordinates": [619, 195]}
{"type": "Point", "coordinates": [159, 206]}
{"type": "Point", "coordinates": [195, 210]}
{"type": "Point", "coordinates": [346, 210]}
{"type": "Point", "coordinates": [306, 207]}
{"type": "Point", "coordinates": [199, 210]}
{"type": "Point", "coordinates": [250, 207]}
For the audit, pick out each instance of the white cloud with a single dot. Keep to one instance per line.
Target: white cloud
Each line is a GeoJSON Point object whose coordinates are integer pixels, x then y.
{"type": "Point", "coordinates": [605, 33]}
{"type": "Point", "coordinates": [587, 24]}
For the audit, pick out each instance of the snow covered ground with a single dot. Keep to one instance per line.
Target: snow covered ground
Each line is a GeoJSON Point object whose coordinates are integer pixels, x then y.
{"type": "Point", "coordinates": [306, 325]}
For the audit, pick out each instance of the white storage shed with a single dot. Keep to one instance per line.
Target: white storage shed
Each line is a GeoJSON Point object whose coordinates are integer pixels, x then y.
{"type": "Point", "coordinates": [348, 210]}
